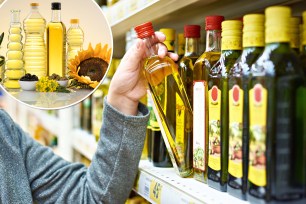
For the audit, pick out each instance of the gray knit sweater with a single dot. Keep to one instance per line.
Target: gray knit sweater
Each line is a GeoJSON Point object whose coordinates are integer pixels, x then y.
{"type": "Point", "coordinates": [30, 172]}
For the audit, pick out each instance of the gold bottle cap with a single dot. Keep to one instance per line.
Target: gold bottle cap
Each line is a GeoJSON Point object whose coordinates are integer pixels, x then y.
{"type": "Point", "coordinates": [231, 35]}
{"type": "Point", "coordinates": [34, 4]}
{"type": "Point", "coordinates": [277, 24]}
{"type": "Point", "coordinates": [253, 30]}
{"type": "Point", "coordinates": [74, 20]}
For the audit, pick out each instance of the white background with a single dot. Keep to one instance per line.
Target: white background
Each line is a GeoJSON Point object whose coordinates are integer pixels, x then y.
{"type": "Point", "coordinates": [92, 20]}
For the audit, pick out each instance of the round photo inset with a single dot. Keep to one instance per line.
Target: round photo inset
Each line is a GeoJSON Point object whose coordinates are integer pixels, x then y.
{"type": "Point", "coordinates": [53, 54]}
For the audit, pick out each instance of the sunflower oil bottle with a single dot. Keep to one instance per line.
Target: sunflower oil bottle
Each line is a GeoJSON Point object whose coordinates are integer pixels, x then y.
{"type": "Point", "coordinates": [35, 56]}
{"type": "Point", "coordinates": [253, 42]}
{"type": "Point", "coordinates": [14, 66]}
{"type": "Point", "coordinates": [192, 34]}
{"type": "Point", "coordinates": [231, 46]}
{"type": "Point", "coordinates": [56, 42]}
{"type": "Point", "coordinates": [75, 39]}
{"type": "Point", "coordinates": [200, 90]}
{"type": "Point", "coordinates": [158, 72]}
{"type": "Point", "coordinates": [180, 46]}
{"type": "Point", "coordinates": [277, 164]}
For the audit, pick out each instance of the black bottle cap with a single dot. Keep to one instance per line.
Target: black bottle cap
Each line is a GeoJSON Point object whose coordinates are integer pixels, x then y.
{"type": "Point", "coordinates": [56, 6]}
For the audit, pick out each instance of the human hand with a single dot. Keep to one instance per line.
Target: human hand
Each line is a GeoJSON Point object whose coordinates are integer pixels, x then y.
{"type": "Point", "coordinates": [128, 84]}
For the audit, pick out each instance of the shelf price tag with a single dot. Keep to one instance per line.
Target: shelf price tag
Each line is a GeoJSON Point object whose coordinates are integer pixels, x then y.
{"type": "Point", "coordinates": [155, 191]}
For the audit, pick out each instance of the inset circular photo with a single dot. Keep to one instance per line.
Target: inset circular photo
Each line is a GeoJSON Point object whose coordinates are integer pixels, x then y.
{"type": "Point", "coordinates": [53, 54]}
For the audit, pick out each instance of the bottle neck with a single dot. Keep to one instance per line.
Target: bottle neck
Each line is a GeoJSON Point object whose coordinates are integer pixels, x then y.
{"type": "Point", "coordinates": [151, 48]}
{"type": "Point", "coordinates": [191, 46]}
{"type": "Point", "coordinates": [213, 41]}
{"type": "Point", "coordinates": [56, 16]}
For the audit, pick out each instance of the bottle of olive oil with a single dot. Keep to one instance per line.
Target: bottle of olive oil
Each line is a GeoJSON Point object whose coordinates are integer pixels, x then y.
{"type": "Point", "coordinates": [295, 34]}
{"type": "Point", "coordinates": [276, 161]}
{"type": "Point", "coordinates": [253, 43]}
{"type": "Point", "coordinates": [178, 131]}
{"type": "Point", "coordinates": [56, 42]}
{"type": "Point", "coordinates": [192, 34]}
{"type": "Point", "coordinates": [231, 46]}
{"type": "Point", "coordinates": [160, 155]}
{"type": "Point", "coordinates": [200, 100]}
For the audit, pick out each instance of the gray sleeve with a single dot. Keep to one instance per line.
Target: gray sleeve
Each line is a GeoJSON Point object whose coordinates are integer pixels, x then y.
{"type": "Point", "coordinates": [111, 175]}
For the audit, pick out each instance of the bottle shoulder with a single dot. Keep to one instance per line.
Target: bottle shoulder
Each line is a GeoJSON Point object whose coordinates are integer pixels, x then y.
{"type": "Point", "coordinates": [277, 61]}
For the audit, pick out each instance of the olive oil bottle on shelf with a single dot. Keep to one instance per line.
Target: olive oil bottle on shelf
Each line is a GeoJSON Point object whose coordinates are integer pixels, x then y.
{"type": "Point", "coordinates": [276, 161]}
{"type": "Point", "coordinates": [253, 43]}
{"type": "Point", "coordinates": [192, 34]}
{"type": "Point", "coordinates": [200, 91]}
{"type": "Point", "coordinates": [178, 132]}
{"type": "Point", "coordinates": [295, 34]}
{"type": "Point", "coordinates": [56, 42]}
{"type": "Point", "coordinates": [218, 121]}
{"type": "Point", "coordinates": [160, 155]}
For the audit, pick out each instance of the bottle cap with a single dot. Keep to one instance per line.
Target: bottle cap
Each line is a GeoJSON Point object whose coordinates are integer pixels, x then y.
{"type": "Point", "coordinates": [253, 30]}
{"type": "Point", "coordinates": [144, 30]}
{"type": "Point", "coordinates": [192, 31]}
{"type": "Point", "coordinates": [56, 6]}
{"type": "Point", "coordinates": [34, 4]}
{"type": "Point", "coordinates": [213, 22]}
{"type": "Point", "coordinates": [231, 35]}
{"type": "Point", "coordinates": [277, 15]}
{"type": "Point", "coordinates": [277, 24]}
{"type": "Point", "coordinates": [294, 27]}
{"type": "Point", "coordinates": [74, 20]}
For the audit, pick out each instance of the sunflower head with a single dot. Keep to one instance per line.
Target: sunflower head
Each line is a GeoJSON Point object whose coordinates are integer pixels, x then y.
{"type": "Point", "coordinates": [89, 66]}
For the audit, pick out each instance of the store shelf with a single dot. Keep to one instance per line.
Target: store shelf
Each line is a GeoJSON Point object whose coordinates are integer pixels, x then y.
{"type": "Point", "coordinates": [50, 99]}
{"type": "Point", "coordinates": [177, 13]}
{"type": "Point", "coordinates": [163, 185]}
{"type": "Point", "coordinates": [84, 143]}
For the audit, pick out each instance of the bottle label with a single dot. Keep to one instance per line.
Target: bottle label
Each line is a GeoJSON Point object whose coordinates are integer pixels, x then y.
{"type": "Point", "coordinates": [180, 127]}
{"type": "Point", "coordinates": [257, 154]}
{"type": "Point", "coordinates": [235, 131]}
{"type": "Point", "coordinates": [199, 127]}
{"type": "Point", "coordinates": [214, 106]}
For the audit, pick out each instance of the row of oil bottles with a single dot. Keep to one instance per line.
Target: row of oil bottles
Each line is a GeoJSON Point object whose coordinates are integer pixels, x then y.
{"type": "Point", "coordinates": [242, 128]}
{"type": "Point", "coordinates": [37, 55]}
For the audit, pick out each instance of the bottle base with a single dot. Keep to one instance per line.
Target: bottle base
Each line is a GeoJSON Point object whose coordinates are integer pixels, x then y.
{"type": "Point", "coordinates": [217, 185]}
{"type": "Point", "coordinates": [237, 193]}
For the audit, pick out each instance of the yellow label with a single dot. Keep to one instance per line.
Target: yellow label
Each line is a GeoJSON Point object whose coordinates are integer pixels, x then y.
{"type": "Point", "coordinates": [257, 156]}
{"type": "Point", "coordinates": [180, 127]}
{"type": "Point", "coordinates": [214, 106]}
{"type": "Point", "coordinates": [235, 131]}
{"type": "Point", "coordinates": [155, 191]}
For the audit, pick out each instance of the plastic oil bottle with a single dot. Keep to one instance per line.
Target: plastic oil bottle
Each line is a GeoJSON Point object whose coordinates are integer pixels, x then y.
{"type": "Point", "coordinates": [35, 57]}
{"type": "Point", "coordinates": [14, 68]}
{"type": "Point", "coordinates": [75, 39]}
